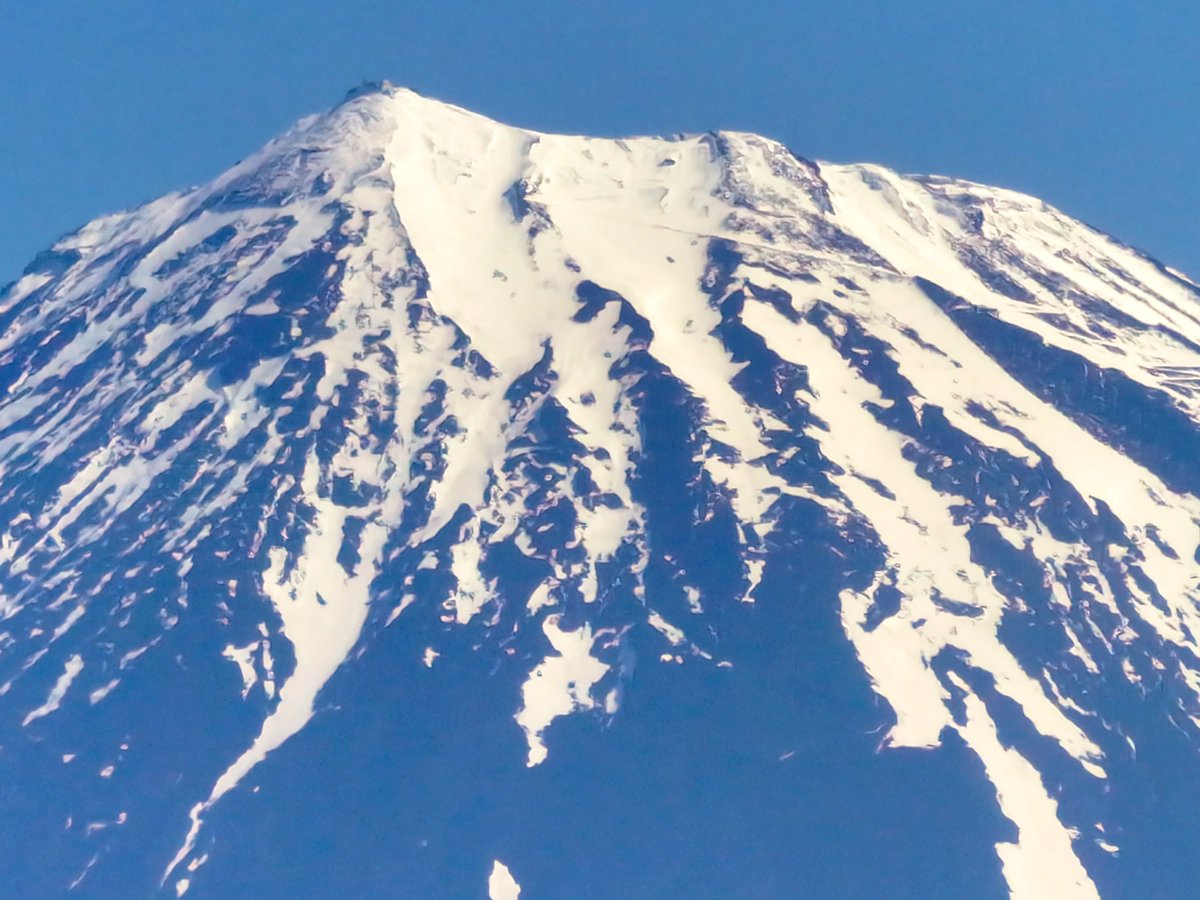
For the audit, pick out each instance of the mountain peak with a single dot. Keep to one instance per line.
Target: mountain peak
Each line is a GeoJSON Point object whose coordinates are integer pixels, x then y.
{"type": "Point", "coordinates": [416, 451]}
{"type": "Point", "coordinates": [396, 97]}
{"type": "Point", "coordinates": [368, 88]}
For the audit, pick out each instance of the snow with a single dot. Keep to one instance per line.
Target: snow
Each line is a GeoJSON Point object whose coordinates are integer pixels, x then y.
{"type": "Point", "coordinates": [72, 667]}
{"type": "Point", "coordinates": [927, 550]}
{"type": "Point", "coordinates": [1042, 862]}
{"type": "Point", "coordinates": [243, 658]}
{"type": "Point", "coordinates": [103, 691]}
{"type": "Point", "coordinates": [906, 222]}
{"type": "Point", "coordinates": [457, 246]}
{"type": "Point", "coordinates": [501, 884]}
{"type": "Point", "coordinates": [559, 685]}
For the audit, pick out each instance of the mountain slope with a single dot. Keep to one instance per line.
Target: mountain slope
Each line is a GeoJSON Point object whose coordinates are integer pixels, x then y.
{"type": "Point", "coordinates": [870, 486]}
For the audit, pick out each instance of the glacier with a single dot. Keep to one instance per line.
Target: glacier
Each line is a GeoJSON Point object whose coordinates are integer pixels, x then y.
{"type": "Point", "coordinates": [659, 515]}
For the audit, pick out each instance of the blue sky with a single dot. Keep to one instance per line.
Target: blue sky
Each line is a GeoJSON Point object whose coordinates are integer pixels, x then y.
{"type": "Point", "coordinates": [1090, 105]}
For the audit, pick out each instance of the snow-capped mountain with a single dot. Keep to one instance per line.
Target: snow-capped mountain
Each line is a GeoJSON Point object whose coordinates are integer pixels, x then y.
{"type": "Point", "coordinates": [433, 508]}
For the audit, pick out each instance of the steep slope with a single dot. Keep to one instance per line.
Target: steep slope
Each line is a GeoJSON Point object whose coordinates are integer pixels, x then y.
{"type": "Point", "coordinates": [594, 428]}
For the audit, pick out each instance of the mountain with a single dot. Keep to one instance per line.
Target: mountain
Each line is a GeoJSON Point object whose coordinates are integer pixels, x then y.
{"type": "Point", "coordinates": [433, 508]}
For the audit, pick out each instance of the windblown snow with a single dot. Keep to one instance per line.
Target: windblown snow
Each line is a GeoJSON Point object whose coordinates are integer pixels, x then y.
{"type": "Point", "coordinates": [404, 340]}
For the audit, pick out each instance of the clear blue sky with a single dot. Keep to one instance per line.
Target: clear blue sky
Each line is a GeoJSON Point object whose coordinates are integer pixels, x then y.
{"type": "Point", "coordinates": [1090, 104]}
